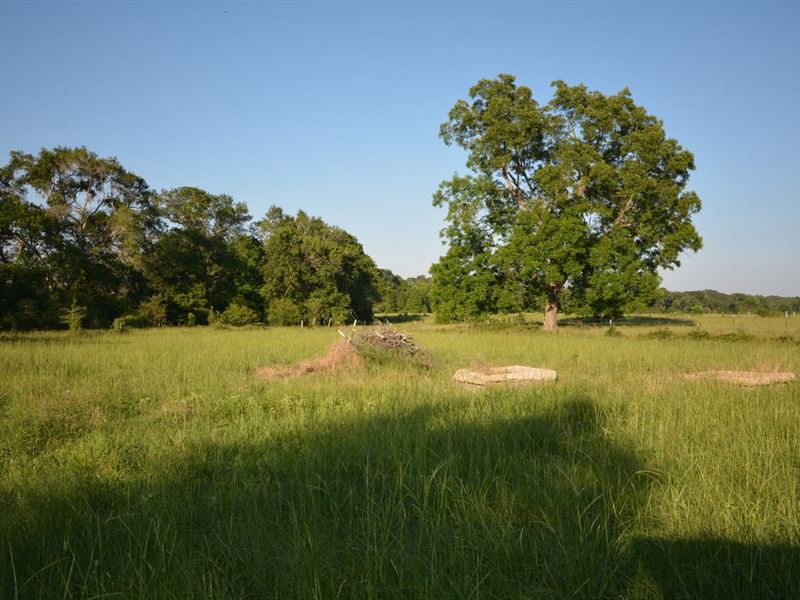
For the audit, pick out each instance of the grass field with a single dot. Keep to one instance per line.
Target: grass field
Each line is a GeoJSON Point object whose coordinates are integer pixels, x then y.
{"type": "Point", "coordinates": [153, 465]}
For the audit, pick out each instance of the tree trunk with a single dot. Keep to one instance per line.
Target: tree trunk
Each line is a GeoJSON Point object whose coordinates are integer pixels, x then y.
{"type": "Point", "coordinates": [551, 309]}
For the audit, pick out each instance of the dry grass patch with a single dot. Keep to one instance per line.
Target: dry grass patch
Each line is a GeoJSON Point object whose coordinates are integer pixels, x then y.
{"type": "Point", "coordinates": [745, 378]}
{"type": "Point", "coordinates": [341, 355]}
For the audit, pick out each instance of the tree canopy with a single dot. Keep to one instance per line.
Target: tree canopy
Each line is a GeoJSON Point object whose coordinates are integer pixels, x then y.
{"type": "Point", "coordinates": [82, 236]}
{"type": "Point", "coordinates": [319, 269]}
{"type": "Point", "coordinates": [585, 193]}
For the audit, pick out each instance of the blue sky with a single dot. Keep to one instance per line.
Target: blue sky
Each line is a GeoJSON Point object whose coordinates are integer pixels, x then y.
{"type": "Point", "coordinates": [334, 107]}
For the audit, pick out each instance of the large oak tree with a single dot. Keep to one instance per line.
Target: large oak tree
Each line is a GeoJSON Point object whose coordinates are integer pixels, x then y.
{"type": "Point", "coordinates": [585, 193]}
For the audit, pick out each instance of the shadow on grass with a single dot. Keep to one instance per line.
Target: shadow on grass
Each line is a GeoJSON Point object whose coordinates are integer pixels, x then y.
{"type": "Point", "coordinates": [395, 319]}
{"type": "Point", "coordinates": [629, 321]}
{"type": "Point", "coordinates": [424, 502]}
{"type": "Point", "coordinates": [33, 338]}
{"type": "Point", "coordinates": [718, 568]}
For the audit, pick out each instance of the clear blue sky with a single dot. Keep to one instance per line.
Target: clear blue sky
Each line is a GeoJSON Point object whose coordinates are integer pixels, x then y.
{"type": "Point", "coordinates": [334, 107]}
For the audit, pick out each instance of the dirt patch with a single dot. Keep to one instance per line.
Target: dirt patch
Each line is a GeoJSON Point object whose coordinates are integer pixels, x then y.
{"type": "Point", "coordinates": [746, 378]}
{"type": "Point", "coordinates": [510, 374]}
{"type": "Point", "coordinates": [342, 355]}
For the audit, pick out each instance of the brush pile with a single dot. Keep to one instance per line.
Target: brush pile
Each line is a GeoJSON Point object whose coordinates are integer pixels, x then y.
{"type": "Point", "coordinates": [384, 345]}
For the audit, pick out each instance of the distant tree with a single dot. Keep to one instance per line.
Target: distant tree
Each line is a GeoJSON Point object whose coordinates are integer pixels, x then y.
{"type": "Point", "coordinates": [391, 289]}
{"type": "Point", "coordinates": [417, 295]}
{"type": "Point", "coordinates": [318, 267]}
{"type": "Point", "coordinates": [585, 193]}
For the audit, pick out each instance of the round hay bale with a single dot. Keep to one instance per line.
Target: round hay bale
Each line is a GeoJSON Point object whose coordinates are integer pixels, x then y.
{"type": "Point", "coordinates": [510, 374]}
{"type": "Point", "coordinates": [746, 378]}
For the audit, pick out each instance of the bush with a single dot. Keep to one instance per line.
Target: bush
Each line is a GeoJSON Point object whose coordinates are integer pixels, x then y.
{"type": "Point", "coordinates": [660, 334]}
{"type": "Point", "coordinates": [283, 311]}
{"type": "Point", "coordinates": [239, 314]}
{"type": "Point", "coordinates": [153, 311]}
{"type": "Point", "coordinates": [699, 334]}
{"type": "Point", "coordinates": [121, 324]}
{"type": "Point", "coordinates": [74, 316]}
{"type": "Point", "coordinates": [215, 318]}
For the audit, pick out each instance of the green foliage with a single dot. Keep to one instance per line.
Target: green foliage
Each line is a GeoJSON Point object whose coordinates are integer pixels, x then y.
{"type": "Point", "coordinates": [699, 334]}
{"type": "Point", "coordinates": [317, 266]}
{"type": "Point", "coordinates": [153, 311]}
{"type": "Point", "coordinates": [283, 312]}
{"type": "Point", "coordinates": [215, 318]}
{"type": "Point", "coordinates": [585, 194]}
{"type": "Point", "coordinates": [239, 314]}
{"type": "Point", "coordinates": [660, 334]}
{"type": "Point", "coordinates": [711, 301]}
{"type": "Point", "coordinates": [74, 316]}
{"type": "Point", "coordinates": [124, 323]}
{"type": "Point", "coordinates": [398, 295]}
{"type": "Point", "coordinates": [70, 220]}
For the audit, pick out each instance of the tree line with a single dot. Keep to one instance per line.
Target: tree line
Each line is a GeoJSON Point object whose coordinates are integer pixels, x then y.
{"type": "Point", "coordinates": [573, 205]}
{"type": "Point", "coordinates": [711, 301]}
{"type": "Point", "coordinates": [84, 241]}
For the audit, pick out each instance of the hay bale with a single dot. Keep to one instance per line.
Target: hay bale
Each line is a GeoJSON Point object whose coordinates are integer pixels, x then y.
{"type": "Point", "coordinates": [510, 374]}
{"type": "Point", "coordinates": [745, 378]}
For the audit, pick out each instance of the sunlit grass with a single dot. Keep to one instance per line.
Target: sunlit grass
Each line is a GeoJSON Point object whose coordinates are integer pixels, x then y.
{"type": "Point", "coordinates": [152, 464]}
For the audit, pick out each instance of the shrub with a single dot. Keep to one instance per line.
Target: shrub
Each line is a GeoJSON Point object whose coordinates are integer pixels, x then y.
{"type": "Point", "coordinates": [699, 334]}
{"type": "Point", "coordinates": [660, 334]}
{"type": "Point", "coordinates": [153, 311]}
{"type": "Point", "coordinates": [123, 323]}
{"type": "Point", "coordinates": [74, 316]}
{"type": "Point", "coordinates": [283, 311]}
{"type": "Point", "coordinates": [215, 318]}
{"type": "Point", "coordinates": [239, 314]}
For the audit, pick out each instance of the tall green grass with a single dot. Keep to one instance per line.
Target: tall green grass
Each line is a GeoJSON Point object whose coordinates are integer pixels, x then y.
{"type": "Point", "coordinates": [153, 465]}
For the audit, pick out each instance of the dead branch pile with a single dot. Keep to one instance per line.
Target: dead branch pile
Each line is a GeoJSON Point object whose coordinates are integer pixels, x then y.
{"type": "Point", "coordinates": [385, 344]}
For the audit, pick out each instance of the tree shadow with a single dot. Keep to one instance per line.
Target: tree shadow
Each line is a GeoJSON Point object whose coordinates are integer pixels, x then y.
{"type": "Point", "coordinates": [396, 319]}
{"type": "Point", "coordinates": [718, 568]}
{"type": "Point", "coordinates": [433, 501]}
{"type": "Point", "coordinates": [628, 321]}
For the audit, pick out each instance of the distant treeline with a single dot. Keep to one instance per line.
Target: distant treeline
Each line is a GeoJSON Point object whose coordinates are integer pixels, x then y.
{"type": "Point", "coordinates": [711, 301]}
{"type": "Point", "coordinates": [399, 295]}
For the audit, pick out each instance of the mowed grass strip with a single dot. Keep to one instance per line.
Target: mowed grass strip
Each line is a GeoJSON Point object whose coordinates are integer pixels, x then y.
{"type": "Point", "coordinates": [153, 464]}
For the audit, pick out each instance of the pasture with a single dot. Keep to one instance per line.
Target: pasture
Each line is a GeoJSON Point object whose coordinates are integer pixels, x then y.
{"type": "Point", "coordinates": [154, 465]}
